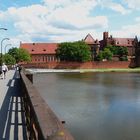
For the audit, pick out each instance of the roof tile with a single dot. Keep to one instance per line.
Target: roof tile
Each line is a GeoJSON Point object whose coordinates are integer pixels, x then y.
{"type": "Point", "coordinates": [40, 48]}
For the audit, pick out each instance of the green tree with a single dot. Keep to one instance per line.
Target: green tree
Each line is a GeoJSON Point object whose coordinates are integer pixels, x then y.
{"type": "Point", "coordinates": [14, 52]}
{"type": "Point", "coordinates": [122, 51]}
{"type": "Point", "coordinates": [1, 58]}
{"type": "Point", "coordinates": [9, 60]}
{"type": "Point", "coordinates": [74, 51]}
{"type": "Point", "coordinates": [107, 54]}
{"type": "Point", "coordinates": [24, 55]}
{"type": "Point", "coordinates": [113, 49]}
{"type": "Point", "coordinates": [19, 54]}
{"type": "Point", "coordinates": [100, 56]}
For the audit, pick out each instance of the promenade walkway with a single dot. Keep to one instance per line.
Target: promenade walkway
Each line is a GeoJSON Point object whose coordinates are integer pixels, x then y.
{"type": "Point", "coordinates": [12, 119]}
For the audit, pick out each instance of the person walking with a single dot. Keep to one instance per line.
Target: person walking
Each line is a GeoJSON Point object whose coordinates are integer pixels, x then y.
{"type": "Point", "coordinates": [4, 70]}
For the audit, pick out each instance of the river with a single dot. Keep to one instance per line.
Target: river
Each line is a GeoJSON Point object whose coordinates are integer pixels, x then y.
{"type": "Point", "coordinates": [95, 106]}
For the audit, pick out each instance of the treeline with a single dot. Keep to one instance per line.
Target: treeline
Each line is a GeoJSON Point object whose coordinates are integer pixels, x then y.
{"type": "Point", "coordinates": [16, 55]}
{"type": "Point", "coordinates": [109, 51]}
{"type": "Point", "coordinates": [81, 52]}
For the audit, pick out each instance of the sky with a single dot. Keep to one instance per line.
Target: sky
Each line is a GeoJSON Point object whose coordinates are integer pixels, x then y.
{"type": "Point", "coordinates": [67, 20]}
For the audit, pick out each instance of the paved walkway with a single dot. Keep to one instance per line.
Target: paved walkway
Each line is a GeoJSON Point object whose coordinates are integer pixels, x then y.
{"type": "Point", "coordinates": [12, 119]}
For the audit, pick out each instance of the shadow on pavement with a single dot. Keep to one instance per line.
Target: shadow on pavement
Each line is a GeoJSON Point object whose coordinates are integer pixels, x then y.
{"type": "Point", "coordinates": [12, 117]}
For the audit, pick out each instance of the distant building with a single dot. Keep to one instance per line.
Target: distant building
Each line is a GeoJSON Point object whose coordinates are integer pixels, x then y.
{"type": "Point", "coordinates": [137, 52]}
{"type": "Point", "coordinates": [94, 45]}
{"type": "Point", "coordinates": [124, 42]}
{"type": "Point", "coordinates": [46, 52]}
{"type": "Point", "coordinates": [41, 52]}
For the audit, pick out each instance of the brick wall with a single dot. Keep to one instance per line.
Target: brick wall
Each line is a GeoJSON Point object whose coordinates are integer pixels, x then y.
{"type": "Point", "coordinates": [76, 65]}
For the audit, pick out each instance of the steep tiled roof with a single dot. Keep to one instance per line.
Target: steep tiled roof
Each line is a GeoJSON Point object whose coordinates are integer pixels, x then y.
{"type": "Point", "coordinates": [89, 40]}
{"type": "Point", "coordinates": [40, 48]}
{"type": "Point", "coordinates": [123, 41]}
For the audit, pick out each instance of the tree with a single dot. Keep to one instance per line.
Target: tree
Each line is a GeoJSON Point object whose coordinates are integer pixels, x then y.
{"type": "Point", "coordinates": [100, 56]}
{"type": "Point", "coordinates": [24, 55]}
{"type": "Point", "coordinates": [105, 54]}
{"type": "Point", "coordinates": [113, 49]}
{"type": "Point", "coordinates": [14, 52]}
{"type": "Point", "coordinates": [9, 60]}
{"type": "Point", "coordinates": [74, 51]}
{"type": "Point", "coordinates": [122, 51]}
{"type": "Point", "coordinates": [19, 54]}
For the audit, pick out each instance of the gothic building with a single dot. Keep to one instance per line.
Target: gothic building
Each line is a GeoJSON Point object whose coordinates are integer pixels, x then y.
{"type": "Point", "coordinates": [124, 42]}
{"type": "Point", "coordinates": [46, 52]}
{"type": "Point", "coordinates": [94, 45]}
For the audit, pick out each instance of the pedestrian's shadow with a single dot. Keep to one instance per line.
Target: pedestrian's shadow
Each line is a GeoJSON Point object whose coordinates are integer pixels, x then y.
{"type": "Point", "coordinates": [12, 117]}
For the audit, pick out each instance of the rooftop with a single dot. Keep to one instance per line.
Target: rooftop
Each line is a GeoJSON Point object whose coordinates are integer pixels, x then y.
{"type": "Point", "coordinates": [40, 48]}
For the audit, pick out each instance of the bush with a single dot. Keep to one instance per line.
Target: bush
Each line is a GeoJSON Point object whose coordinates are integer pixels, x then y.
{"type": "Point", "coordinates": [123, 58]}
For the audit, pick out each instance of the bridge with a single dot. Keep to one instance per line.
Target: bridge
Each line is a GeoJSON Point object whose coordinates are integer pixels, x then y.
{"type": "Point", "coordinates": [24, 115]}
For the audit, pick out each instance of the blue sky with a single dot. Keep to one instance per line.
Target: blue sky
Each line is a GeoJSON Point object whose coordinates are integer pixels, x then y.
{"type": "Point", "coordinates": [67, 20]}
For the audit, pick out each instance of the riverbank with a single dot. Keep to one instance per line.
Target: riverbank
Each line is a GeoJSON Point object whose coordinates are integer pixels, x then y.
{"type": "Point", "coordinates": [84, 70]}
{"type": "Point", "coordinates": [112, 70]}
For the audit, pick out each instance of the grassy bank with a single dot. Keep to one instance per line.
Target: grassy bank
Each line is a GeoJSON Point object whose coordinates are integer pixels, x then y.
{"type": "Point", "coordinates": [85, 70]}
{"type": "Point", "coordinates": [111, 70]}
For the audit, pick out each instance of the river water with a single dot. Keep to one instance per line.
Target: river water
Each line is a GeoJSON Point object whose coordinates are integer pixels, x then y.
{"type": "Point", "coordinates": [95, 106]}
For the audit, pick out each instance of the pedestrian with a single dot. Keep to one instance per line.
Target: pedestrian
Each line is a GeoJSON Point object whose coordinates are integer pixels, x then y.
{"type": "Point", "coordinates": [4, 70]}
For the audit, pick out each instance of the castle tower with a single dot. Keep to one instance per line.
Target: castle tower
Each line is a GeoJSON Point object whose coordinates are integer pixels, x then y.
{"type": "Point", "coordinates": [105, 35]}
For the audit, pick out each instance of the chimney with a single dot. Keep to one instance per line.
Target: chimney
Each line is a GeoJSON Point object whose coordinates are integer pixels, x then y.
{"type": "Point", "coordinates": [105, 35]}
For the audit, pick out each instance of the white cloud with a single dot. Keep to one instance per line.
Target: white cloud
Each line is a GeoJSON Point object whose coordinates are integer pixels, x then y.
{"type": "Point", "coordinates": [137, 19]}
{"type": "Point", "coordinates": [128, 30]}
{"type": "Point", "coordinates": [54, 4]}
{"type": "Point", "coordinates": [133, 4]}
{"type": "Point", "coordinates": [61, 19]}
{"type": "Point", "coordinates": [118, 7]}
{"type": "Point", "coordinates": [65, 20]}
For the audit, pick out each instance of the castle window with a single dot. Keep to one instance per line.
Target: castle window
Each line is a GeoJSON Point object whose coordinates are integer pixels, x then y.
{"type": "Point", "coordinates": [128, 41]}
{"type": "Point", "coordinates": [117, 42]}
{"type": "Point", "coordinates": [32, 50]}
{"type": "Point", "coordinates": [44, 50]}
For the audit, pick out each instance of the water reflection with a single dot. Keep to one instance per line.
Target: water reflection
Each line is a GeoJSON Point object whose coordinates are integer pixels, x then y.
{"type": "Point", "coordinates": [95, 106]}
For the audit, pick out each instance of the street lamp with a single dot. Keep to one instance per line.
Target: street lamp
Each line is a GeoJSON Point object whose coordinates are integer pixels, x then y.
{"type": "Point", "coordinates": [7, 46]}
{"type": "Point", "coordinates": [3, 29]}
{"type": "Point", "coordinates": [1, 47]}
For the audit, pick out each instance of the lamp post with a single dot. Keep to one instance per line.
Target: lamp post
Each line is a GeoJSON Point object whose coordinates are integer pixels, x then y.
{"type": "Point", "coordinates": [1, 47]}
{"type": "Point", "coordinates": [7, 46]}
{"type": "Point", "coordinates": [3, 29]}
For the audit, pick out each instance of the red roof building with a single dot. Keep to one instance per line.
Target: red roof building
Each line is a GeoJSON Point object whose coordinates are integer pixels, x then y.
{"type": "Point", "coordinates": [41, 52]}
{"type": "Point", "coordinates": [94, 45]}
{"type": "Point", "coordinates": [124, 42]}
{"type": "Point", "coordinates": [46, 52]}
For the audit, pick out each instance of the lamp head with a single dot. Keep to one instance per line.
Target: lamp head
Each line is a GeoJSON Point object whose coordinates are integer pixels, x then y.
{"type": "Point", "coordinates": [3, 29]}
